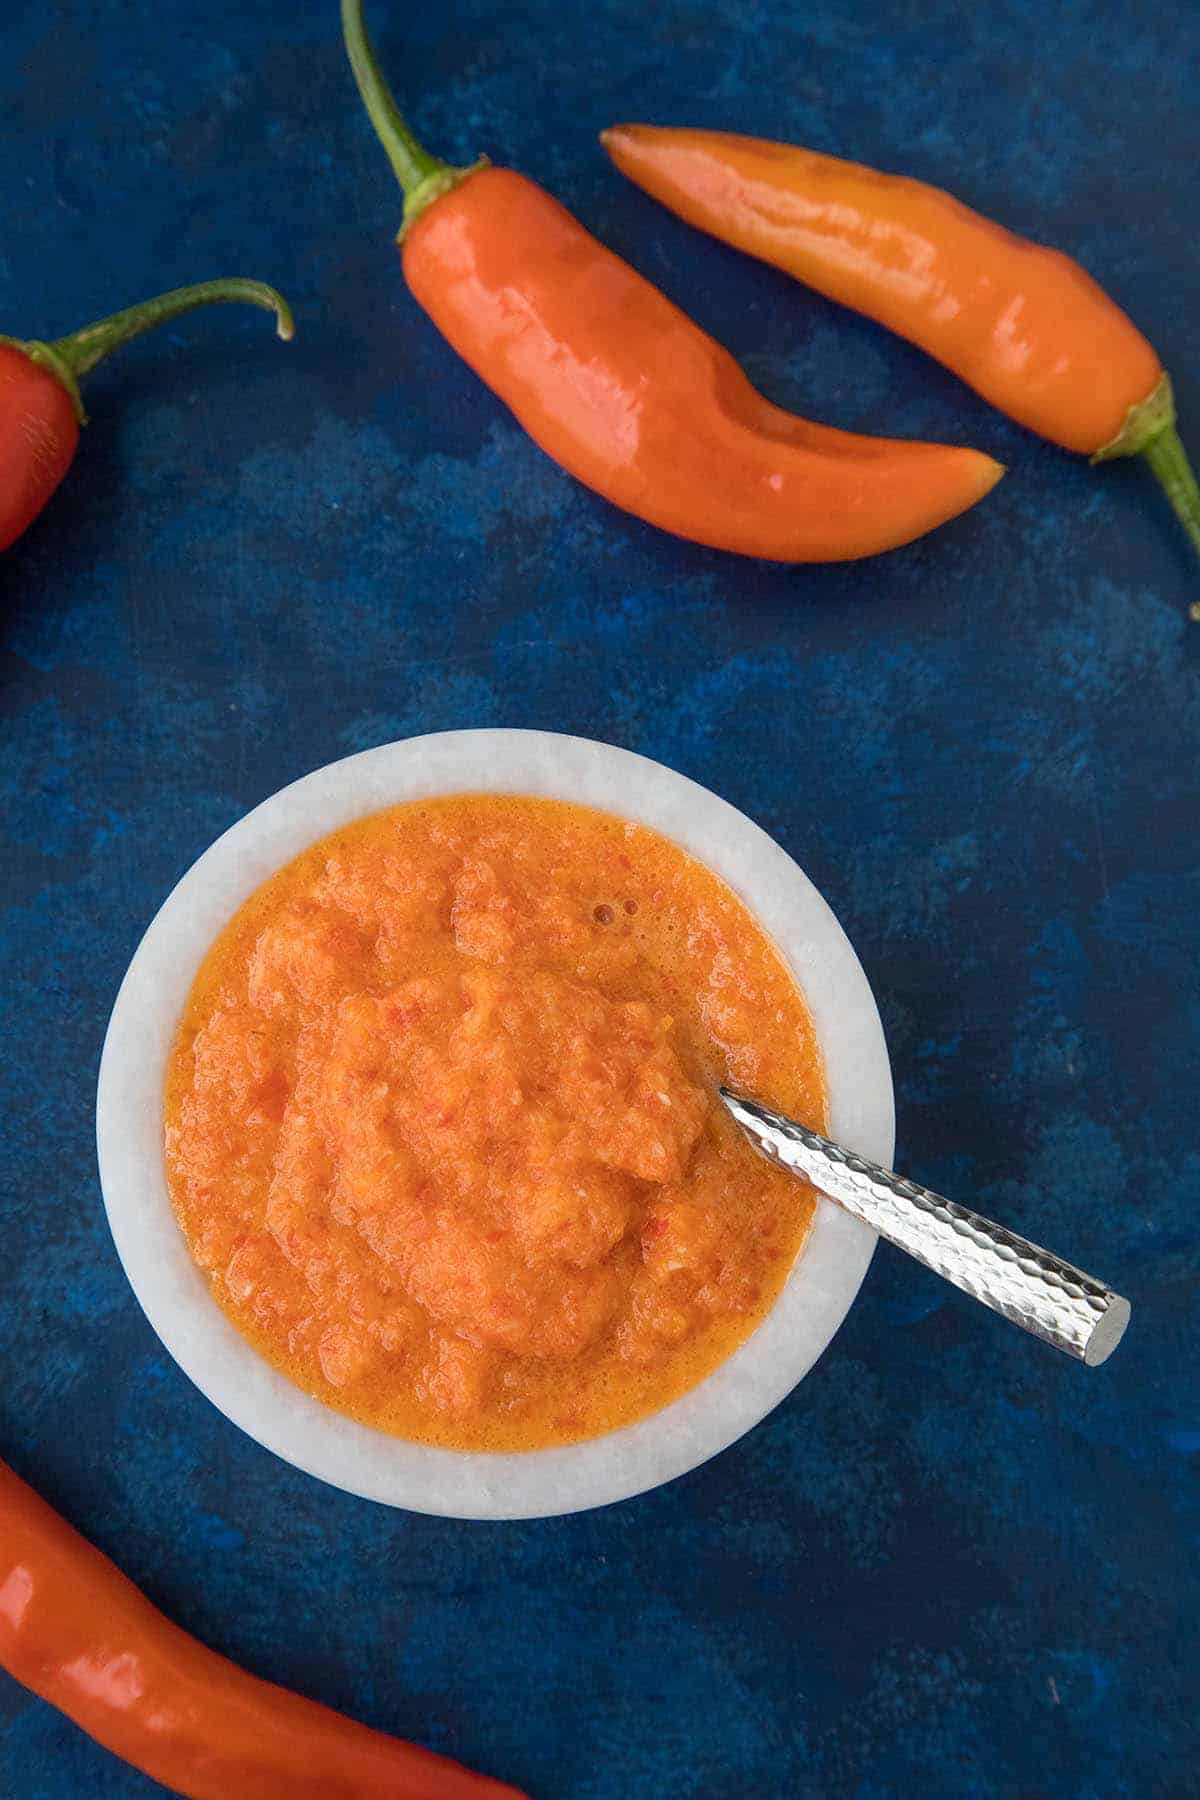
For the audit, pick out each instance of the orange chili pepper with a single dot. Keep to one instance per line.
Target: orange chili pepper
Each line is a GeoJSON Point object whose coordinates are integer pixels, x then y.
{"type": "Point", "coordinates": [1026, 327]}
{"type": "Point", "coordinates": [77, 1632]}
{"type": "Point", "coordinates": [626, 392]}
{"type": "Point", "coordinates": [41, 409]}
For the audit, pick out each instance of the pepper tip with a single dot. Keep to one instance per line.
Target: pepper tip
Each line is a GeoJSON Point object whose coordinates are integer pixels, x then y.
{"type": "Point", "coordinates": [991, 472]}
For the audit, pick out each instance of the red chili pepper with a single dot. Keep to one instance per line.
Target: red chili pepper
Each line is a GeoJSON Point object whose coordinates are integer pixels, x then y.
{"type": "Point", "coordinates": [1025, 326]}
{"type": "Point", "coordinates": [40, 405]}
{"type": "Point", "coordinates": [626, 392]}
{"type": "Point", "coordinates": [77, 1632]}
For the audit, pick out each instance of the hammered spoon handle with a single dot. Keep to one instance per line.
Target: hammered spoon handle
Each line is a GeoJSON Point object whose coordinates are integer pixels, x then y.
{"type": "Point", "coordinates": [1031, 1286]}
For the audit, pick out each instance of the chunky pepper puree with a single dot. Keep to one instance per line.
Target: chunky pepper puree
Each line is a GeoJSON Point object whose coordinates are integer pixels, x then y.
{"type": "Point", "coordinates": [442, 1129]}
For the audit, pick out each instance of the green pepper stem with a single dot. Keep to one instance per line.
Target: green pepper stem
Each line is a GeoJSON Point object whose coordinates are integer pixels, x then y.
{"type": "Point", "coordinates": [1149, 431]}
{"type": "Point", "coordinates": [84, 349]}
{"type": "Point", "coordinates": [68, 358]}
{"type": "Point", "coordinates": [1169, 461]}
{"type": "Point", "coordinates": [423, 178]}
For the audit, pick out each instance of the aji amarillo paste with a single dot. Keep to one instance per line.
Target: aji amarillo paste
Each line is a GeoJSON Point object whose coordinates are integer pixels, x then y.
{"type": "Point", "coordinates": [442, 1129]}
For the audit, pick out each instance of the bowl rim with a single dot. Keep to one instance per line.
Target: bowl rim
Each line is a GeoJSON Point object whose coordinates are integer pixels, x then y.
{"type": "Point", "coordinates": [264, 1403]}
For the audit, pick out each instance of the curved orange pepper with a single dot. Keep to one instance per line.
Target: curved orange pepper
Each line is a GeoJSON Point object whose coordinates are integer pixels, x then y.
{"type": "Point", "coordinates": [1025, 326]}
{"type": "Point", "coordinates": [77, 1632]}
{"type": "Point", "coordinates": [625, 391]}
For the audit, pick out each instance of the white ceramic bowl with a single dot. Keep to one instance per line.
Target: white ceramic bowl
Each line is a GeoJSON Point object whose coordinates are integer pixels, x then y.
{"type": "Point", "coordinates": [172, 1292]}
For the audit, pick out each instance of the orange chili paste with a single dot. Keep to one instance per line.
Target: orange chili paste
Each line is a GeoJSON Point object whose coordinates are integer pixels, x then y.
{"type": "Point", "coordinates": [442, 1129]}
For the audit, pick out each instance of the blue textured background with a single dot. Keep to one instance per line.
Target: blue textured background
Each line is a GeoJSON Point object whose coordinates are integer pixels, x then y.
{"type": "Point", "coordinates": [951, 1564]}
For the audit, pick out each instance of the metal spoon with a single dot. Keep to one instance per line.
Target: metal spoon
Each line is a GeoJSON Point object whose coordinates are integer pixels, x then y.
{"type": "Point", "coordinates": [1030, 1286]}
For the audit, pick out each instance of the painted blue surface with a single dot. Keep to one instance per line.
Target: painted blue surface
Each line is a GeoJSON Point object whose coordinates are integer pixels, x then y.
{"type": "Point", "coordinates": [951, 1564]}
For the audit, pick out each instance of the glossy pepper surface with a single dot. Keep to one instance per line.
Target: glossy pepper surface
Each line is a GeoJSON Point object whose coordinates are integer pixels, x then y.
{"type": "Point", "coordinates": [40, 405]}
{"type": "Point", "coordinates": [77, 1632]}
{"type": "Point", "coordinates": [1025, 326]}
{"type": "Point", "coordinates": [625, 391]}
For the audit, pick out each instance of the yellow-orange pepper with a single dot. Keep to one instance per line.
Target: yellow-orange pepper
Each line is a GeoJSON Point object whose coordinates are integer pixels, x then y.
{"type": "Point", "coordinates": [1025, 326]}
